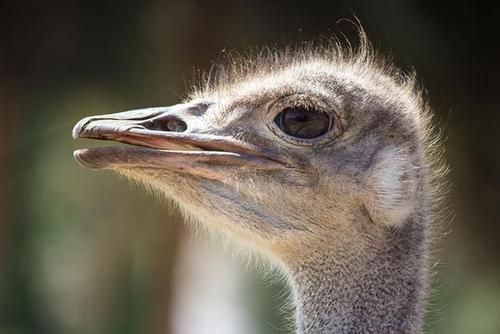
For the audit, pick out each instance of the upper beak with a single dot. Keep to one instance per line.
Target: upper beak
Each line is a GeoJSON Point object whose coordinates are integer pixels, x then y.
{"type": "Point", "coordinates": [166, 138]}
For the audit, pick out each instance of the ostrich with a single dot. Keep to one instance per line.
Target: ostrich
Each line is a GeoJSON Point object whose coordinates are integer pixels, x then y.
{"type": "Point", "coordinates": [317, 158]}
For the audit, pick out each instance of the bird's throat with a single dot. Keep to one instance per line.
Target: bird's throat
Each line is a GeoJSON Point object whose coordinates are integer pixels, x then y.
{"type": "Point", "coordinates": [369, 289]}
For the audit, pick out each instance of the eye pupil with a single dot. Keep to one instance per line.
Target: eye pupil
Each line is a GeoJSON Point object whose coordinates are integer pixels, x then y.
{"type": "Point", "coordinates": [303, 123]}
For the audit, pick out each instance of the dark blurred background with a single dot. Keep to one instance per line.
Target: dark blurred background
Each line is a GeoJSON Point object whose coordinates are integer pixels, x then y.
{"type": "Point", "coordinates": [85, 252]}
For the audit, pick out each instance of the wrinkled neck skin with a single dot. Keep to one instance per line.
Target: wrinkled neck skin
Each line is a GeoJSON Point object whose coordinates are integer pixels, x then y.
{"type": "Point", "coordinates": [372, 286]}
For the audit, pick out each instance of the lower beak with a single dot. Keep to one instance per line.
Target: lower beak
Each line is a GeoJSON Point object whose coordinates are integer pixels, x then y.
{"type": "Point", "coordinates": [162, 138]}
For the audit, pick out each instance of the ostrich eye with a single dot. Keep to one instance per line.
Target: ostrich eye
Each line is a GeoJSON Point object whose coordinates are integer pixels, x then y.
{"type": "Point", "coordinates": [305, 123]}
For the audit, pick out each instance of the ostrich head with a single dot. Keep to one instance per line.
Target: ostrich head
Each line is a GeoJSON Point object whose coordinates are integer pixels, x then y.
{"type": "Point", "coordinates": [315, 158]}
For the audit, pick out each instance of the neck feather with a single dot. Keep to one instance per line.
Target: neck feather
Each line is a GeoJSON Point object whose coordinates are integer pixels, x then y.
{"type": "Point", "coordinates": [370, 287]}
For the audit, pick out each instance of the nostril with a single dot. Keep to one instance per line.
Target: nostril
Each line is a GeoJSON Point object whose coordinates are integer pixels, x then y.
{"type": "Point", "coordinates": [167, 124]}
{"type": "Point", "coordinates": [176, 125]}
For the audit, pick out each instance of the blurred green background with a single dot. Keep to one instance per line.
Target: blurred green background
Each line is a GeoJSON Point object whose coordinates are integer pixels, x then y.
{"type": "Point", "coordinates": [85, 252]}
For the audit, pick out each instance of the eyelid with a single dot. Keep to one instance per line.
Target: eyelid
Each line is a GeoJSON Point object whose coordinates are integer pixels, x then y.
{"type": "Point", "coordinates": [304, 100]}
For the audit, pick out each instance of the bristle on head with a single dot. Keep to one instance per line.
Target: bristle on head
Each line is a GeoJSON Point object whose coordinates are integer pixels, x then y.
{"type": "Point", "coordinates": [233, 68]}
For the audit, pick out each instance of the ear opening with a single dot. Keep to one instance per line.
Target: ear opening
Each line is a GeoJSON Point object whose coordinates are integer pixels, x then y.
{"type": "Point", "coordinates": [390, 188]}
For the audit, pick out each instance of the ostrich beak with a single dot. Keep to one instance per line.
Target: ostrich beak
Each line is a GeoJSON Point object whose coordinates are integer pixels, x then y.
{"type": "Point", "coordinates": [162, 138]}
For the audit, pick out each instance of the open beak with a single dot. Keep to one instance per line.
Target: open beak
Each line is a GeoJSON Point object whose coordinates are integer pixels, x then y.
{"type": "Point", "coordinates": [163, 138]}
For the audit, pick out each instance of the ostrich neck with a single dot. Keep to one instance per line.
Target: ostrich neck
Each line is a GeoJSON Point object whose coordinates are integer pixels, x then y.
{"type": "Point", "coordinates": [378, 287]}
